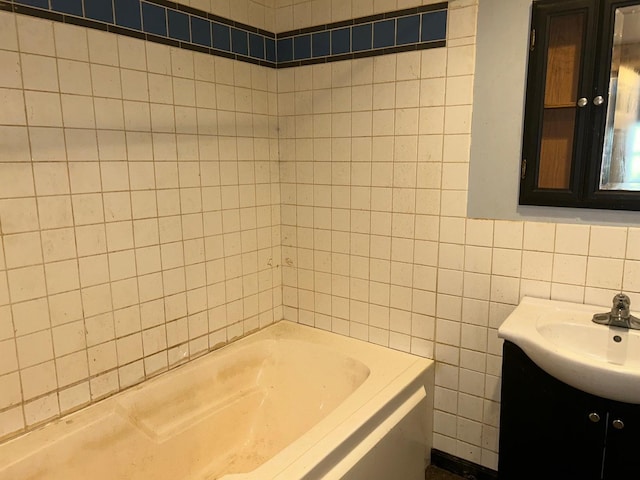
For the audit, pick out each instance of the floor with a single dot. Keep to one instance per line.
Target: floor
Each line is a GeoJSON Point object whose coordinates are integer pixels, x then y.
{"type": "Point", "coordinates": [435, 473]}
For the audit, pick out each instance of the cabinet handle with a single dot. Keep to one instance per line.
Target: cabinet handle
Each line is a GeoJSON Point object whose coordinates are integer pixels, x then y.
{"type": "Point", "coordinates": [582, 102]}
{"type": "Point", "coordinates": [598, 101]}
{"type": "Point", "coordinates": [594, 417]}
{"type": "Point", "coordinates": [618, 424]}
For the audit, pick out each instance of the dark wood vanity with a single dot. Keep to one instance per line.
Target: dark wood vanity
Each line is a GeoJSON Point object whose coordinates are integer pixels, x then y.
{"type": "Point", "coordinates": [552, 431]}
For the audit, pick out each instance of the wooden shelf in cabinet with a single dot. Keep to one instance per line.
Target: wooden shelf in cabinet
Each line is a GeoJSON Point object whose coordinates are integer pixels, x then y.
{"type": "Point", "coordinates": [563, 105]}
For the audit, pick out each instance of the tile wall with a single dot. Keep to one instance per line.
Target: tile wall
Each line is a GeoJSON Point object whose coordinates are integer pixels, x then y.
{"type": "Point", "coordinates": [370, 185]}
{"type": "Point", "coordinates": [139, 212]}
{"type": "Point", "coordinates": [376, 240]}
{"type": "Point", "coordinates": [159, 21]}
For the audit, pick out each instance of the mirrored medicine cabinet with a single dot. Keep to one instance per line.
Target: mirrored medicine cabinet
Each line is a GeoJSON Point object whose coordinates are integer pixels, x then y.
{"type": "Point", "coordinates": [581, 144]}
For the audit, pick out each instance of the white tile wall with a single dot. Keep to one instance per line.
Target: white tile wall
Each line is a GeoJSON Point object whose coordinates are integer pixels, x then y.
{"type": "Point", "coordinates": [139, 212]}
{"type": "Point", "coordinates": [376, 240]}
{"type": "Point", "coordinates": [144, 214]}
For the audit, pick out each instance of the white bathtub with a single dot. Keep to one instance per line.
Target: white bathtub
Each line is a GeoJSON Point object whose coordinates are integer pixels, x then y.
{"type": "Point", "coordinates": [289, 402]}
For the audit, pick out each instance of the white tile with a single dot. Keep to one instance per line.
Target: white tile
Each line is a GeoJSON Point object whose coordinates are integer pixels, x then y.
{"type": "Point", "coordinates": [71, 42]}
{"type": "Point", "coordinates": [609, 242]}
{"type": "Point", "coordinates": [506, 262]}
{"type": "Point", "coordinates": [106, 81]}
{"type": "Point", "coordinates": [631, 280]}
{"type": "Point", "coordinates": [16, 144]}
{"type": "Point", "coordinates": [600, 296]}
{"type": "Point", "coordinates": [35, 35]}
{"type": "Point", "coordinates": [8, 32]}
{"type": "Point", "coordinates": [75, 77]}
{"type": "Point", "coordinates": [43, 109]}
{"type": "Point", "coordinates": [62, 276]}
{"type": "Point", "coordinates": [479, 232]}
{"type": "Point", "coordinates": [132, 53]}
{"type": "Point", "coordinates": [462, 22]}
{"type": "Point", "coordinates": [12, 112]}
{"type": "Point", "coordinates": [41, 409]}
{"type": "Point", "coordinates": [539, 236]}
{"type": "Point", "coordinates": [47, 144]}
{"type": "Point", "coordinates": [567, 293]}
{"type": "Point", "coordinates": [633, 244]}
{"type": "Point", "coordinates": [537, 265]}
{"type": "Point", "coordinates": [456, 148]}
{"type": "Point", "coordinates": [34, 348]}
{"type": "Point", "coordinates": [477, 286]}
{"type": "Point", "coordinates": [572, 239]}
{"type": "Point", "coordinates": [570, 269]}
{"type": "Point", "coordinates": [39, 73]}
{"type": "Point", "coordinates": [434, 63]}
{"type": "Point", "coordinates": [508, 234]}
{"type": "Point", "coordinates": [604, 272]}
{"type": "Point", "coordinates": [74, 397]}
{"type": "Point", "coordinates": [461, 60]}
{"type": "Point", "coordinates": [38, 380]}
{"type": "Point", "coordinates": [10, 386]}
{"type": "Point", "coordinates": [457, 119]}
{"type": "Point", "coordinates": [16, 180]}
{"type": "Point", "coordinates": [103, 47]}
{"type": "Point", "coordinates": [9, 358]}
{"type": "Point", "coordinates": [10, 76]}
{"type": "Point", "coordinates": [22, 249]}
{"type": "Point", "coordinates": [505, 289]}
{"type": "Point", "coordinates": [77, 111]}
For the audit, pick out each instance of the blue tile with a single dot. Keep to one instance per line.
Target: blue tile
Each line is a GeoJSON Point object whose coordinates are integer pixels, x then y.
{"type": "Point", "coordinates": [99, 10]}
{"type": "Point", "coordinates": [155, 19]}
{"type": "Point", "coordinates": [270, 49]}
{"type": "Point", "coordinates": [128, 13]}
{"type": "Point", "coordinates": [302, 47]}
{"type": "Point", "coordinates": [201, 31]}
{"type": "Point", "coordinates": [34, 3]}
{"type": "Point", "coordinates": [239, 41]}
{"type": "Point", "coordinates": [73, 7]}
{"type": "Point", "coordinates": [285, 50]}
{"type": "Point", "coordinates": [321, 44]}
{"type": "Point", "coordinates": [361, 37]}
{"type": "Point", "coordinates": [408, 30]}
{"type": "Point", "coordinates": [221, 37]}
{"type": "Point", "coordinates": [178, 25]}
{"type": "Point", "coordinates": [340, 41]}
{"type": "Point", "coordinates": [256, 46]}
{"type": "Point", "coordinates": [434, 26]}
{"type": "Point", "coordinates": [384, 34]}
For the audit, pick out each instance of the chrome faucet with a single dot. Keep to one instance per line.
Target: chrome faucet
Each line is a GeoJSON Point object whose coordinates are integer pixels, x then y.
{"type": "Point", "coordinates": [620, 315]}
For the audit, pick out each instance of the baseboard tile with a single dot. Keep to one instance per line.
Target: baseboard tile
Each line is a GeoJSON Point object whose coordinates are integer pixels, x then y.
{"type": "Point", "coordinates": [459, 466]}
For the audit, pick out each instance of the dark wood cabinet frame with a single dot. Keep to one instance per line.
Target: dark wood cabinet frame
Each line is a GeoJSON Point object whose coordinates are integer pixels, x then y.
{"type": "Point", "coordinates": [588, 138]}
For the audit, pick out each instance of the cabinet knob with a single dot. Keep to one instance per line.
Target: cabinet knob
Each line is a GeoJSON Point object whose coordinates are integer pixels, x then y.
{"type": "Point", "coordinates": [594, 417]}
{"type": "Point", "coordinates": [598, 101]}
{"type": "Point", "coordinates": [582, 102]}
{"type": "Point", "coordinates": [618, 424]}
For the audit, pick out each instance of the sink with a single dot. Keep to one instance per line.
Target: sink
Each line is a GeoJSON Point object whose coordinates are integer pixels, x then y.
{"type": "Point", "coordinates": [562, 340]}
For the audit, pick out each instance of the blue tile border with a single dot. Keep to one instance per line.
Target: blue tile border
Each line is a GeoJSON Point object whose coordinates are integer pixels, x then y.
{"type": "Point", "coordinates": [181, 26]}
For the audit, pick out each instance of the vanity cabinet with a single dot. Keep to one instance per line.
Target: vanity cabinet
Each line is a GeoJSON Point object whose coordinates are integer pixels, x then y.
{"type": "Point", "coordinates": [552, 431]}
{"type": "Point", "coordinates": [581, 143]}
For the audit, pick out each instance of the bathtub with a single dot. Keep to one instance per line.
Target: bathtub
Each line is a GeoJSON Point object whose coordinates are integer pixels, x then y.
{"type": "Point", "coordinates": [288, 402]}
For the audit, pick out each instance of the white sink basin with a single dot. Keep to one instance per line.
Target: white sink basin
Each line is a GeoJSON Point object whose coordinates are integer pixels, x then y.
{"type": "Point", "coordinates": [562, 340]}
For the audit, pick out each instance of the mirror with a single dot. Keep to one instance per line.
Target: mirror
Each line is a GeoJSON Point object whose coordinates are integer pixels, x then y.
{"type": "Point", "coordinates": [621, 153]}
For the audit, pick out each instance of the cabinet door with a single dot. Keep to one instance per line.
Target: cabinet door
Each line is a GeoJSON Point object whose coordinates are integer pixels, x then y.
{"type": "Point", "coordinates": [546, 431]}
{"type": "Point", "coordinates": [614, 173]}
{"type": "Point", "coordinates": [559, 87]}
{"type": "Point", "coordinates": [622, 460]}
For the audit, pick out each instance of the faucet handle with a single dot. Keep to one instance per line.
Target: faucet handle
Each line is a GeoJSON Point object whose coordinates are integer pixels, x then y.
{"type": "Point", "coordinates": [621, 302]}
